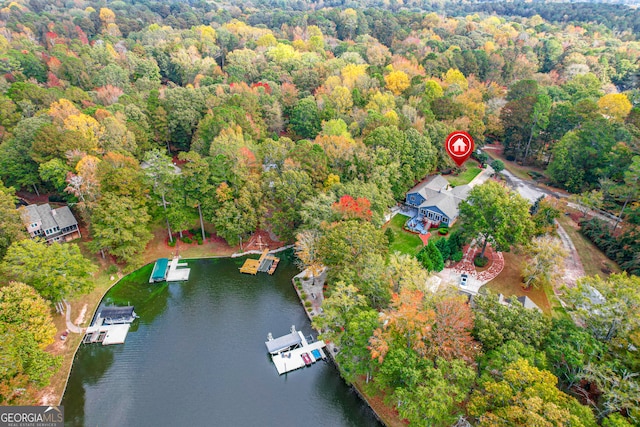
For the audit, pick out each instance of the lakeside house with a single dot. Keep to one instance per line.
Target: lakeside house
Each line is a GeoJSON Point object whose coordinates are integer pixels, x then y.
{"type": "Point", "coordinates": [54, 225]}
{"type": "Point", "coordinates": [433, 202]}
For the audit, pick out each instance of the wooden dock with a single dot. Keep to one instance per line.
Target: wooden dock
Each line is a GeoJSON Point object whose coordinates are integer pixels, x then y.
{"type": "Point", "coordinates": [265, 264]}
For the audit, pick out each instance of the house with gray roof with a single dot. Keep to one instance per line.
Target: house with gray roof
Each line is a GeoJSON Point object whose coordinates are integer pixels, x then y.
{"type": "Point", "coordinates": [524, 300]}
{"type": "Point", "coordinates": [435, 203]}
{"type": "Point", "coordinates": [53, 225]}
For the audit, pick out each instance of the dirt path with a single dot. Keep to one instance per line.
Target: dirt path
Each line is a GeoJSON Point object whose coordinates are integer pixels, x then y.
{"type": "Point", "coordinates": [80, 317]}
{"type": "Point", "coordinates": [573, 266]}
{"type": "Point", "coordinates": [70, 326]}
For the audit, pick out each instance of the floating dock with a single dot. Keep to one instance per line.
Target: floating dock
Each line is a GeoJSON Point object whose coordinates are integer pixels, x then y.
{"type": "Point", "coordinates": [169, 271]}
{"type": "Point", "coordinates": [177, 274]}
{"type": "Point", "coordinates": [110, 326]}
{"type": "Point", "coordinates": [293, 351]}
{"type": "Point", "coordinates": [265, 264]}
{"type": "Point", "coordinates": [106, 334]}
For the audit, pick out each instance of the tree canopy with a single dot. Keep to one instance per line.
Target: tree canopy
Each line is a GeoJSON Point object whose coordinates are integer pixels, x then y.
{"type": "Point", "coordinates": [55, 271]}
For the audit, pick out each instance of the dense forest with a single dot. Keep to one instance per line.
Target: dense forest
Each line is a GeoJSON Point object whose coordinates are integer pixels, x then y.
{"type": "Point", "coordinates": [310, 120]}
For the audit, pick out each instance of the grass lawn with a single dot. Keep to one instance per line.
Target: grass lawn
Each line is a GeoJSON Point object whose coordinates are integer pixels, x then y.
{"type": "Point", "coordinates": [593, 260]}
{"type": "Point", "coordinates": [466, 176]}
{"type": "Point", "coordinates": [404, 242]}
{"type": "Point", "coordinates": [509, 282]}
{"type": "Point", "coordinates": [435, 236]}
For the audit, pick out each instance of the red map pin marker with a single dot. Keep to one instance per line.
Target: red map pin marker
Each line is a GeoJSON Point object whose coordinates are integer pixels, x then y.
{"type": "Point", "coordinates": [459, 146]}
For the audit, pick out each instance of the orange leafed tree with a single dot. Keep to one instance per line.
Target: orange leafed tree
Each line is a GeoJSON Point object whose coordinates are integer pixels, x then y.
{"type": "Point", "coordinates": [408, 321]}
{"type": "Point", "coordinates": [450, 338]}
{"type": "Point", "coordinates": [351, 208]}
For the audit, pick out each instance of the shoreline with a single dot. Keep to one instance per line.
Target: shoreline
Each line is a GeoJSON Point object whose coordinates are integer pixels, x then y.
{"type": "Point", "coordinates": [354, 386]}
{"type": "Point", "coordinates": [95, 309]}
{"type": "Point", "coordinates": [361, 394]}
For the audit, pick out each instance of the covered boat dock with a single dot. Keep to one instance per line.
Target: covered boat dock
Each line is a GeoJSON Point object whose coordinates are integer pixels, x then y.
{"type": "Point", "coordinates": [285, 342]}
{"type": "Point", "coordinates": [115, 315]}
{"type": "Point", "coordinates": [293, 351]}
{"type": "Point", "coordinates": [110, 326]}
{"type": "Point", "coordinates": [169, 271]}
{"type": "Point", "coordinates": [159, 272]}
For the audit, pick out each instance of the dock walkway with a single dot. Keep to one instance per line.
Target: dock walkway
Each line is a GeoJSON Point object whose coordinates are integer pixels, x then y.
{"type": "Point", "coordinates": [176, 274]}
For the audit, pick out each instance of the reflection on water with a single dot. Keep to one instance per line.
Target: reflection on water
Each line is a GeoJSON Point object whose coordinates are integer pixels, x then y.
{"type": "Point", "coordinates": [196, 356]}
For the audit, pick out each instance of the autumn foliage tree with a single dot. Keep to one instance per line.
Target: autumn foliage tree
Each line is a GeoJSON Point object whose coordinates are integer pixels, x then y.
{"type": "Point", "coordinates": [450, 337]}
{"type": "Point", "coordinates": [526, 395]}
{"type": "Point", "coordinates": [350, 208]}
{"type": "Point", "coordinates": [397, 81]}
{"type": "Point", "coordinates": [407, 322]}
{"type": "Point", "coordinates": [545, 262]}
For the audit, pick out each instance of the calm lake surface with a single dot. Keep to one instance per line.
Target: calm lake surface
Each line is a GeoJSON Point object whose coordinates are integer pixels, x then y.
{"type": "Point", "coordinates": [196, 357]}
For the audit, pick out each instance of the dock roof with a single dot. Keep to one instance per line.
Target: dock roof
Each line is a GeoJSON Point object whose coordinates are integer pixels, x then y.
{"type": "Point", "coordinates": [116, 312]}
{"type": "Point", "coordinates": [283, 342]}
{"type": "Point", "coordinates": [160, 269]}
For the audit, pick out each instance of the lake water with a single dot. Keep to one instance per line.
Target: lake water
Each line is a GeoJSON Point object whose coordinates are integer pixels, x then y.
{"type": "Point", "coordinates": [196, 357]}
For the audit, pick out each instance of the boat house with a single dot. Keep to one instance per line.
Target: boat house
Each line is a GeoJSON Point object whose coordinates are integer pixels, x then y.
{"type": "Point", "coordinates": [285, 342]}
{"type": "Point", "coordinates": [110, 326]}
{"type": "Point", "coordinates": [265, 264]}
{"type": "Point", "coordinates": [293, 351]}
{"type": "Point", "coordinates": [116, 315]}
{"type": "Point", "coordinates": [159, 272]}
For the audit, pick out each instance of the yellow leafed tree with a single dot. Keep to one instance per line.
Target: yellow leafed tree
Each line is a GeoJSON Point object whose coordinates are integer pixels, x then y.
{"type": "Point", "coordinates": [615, 106]}
{"type": "Point", "coordinates": [107, 16]}
{"type": "Point", "coordinates": [397, 81]}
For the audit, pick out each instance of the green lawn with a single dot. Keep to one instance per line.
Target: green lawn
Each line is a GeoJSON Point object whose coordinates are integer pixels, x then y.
{"type": "Point", "coordinates": [435, 236]}
{"type": "Point", "coordinates": [404, 242]}
{"type": "Point", "coordinates": [466, 176]}
{"type": "Point", "coordinates": [509, 282]}
{"type": "Point", "coordinates": [593, 259]}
